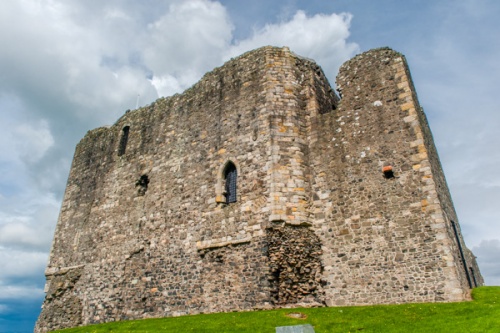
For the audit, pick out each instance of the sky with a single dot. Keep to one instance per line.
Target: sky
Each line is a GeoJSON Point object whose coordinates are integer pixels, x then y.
{"type": "Point", "coordinates": [68, 66]}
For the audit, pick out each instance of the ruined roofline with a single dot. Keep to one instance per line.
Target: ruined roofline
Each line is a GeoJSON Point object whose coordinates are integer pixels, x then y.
{"type": "Point", "coordinates": [381, 49]}
{"type": "Point", "coordinates": [233, 60]}
{"type": "Point", "coordinates": [264, 50]}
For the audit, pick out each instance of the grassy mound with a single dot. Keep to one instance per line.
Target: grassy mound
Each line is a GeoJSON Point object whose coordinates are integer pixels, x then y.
{"type": "Point", "coordinates": [480, 315]}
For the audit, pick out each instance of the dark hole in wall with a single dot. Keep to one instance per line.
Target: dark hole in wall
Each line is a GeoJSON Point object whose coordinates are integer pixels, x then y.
{"type": "Point", "coordinates": [388, 174]}
{"type": "Point", "coordinates": [122, 147]}
{"type": "Point", "coordinates": [142, 184]}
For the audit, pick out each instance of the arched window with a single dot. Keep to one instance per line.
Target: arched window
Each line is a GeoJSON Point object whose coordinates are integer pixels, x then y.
{"type": "Point", "coordinates": [230, 177]}
{"type": "Point", "coordinates": [123, 141]}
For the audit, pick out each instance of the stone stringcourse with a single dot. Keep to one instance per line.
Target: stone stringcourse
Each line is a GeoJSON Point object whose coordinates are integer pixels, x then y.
{"type": "Point", "coordinates": [335, 200]}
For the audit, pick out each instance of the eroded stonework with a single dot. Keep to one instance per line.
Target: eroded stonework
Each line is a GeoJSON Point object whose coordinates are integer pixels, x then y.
{"type": "Point", "coordinates": [338, 201]}
{"type": "Point", "coordinates": [295, 265]}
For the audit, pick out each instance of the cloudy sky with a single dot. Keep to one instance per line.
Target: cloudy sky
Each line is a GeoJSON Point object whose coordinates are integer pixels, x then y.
{"type": "Point", "coordinates": [67, 66]}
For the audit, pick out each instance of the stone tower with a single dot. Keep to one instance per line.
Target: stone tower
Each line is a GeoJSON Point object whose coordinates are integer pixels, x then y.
{"type": "Point", "coordinates": [258, 188]}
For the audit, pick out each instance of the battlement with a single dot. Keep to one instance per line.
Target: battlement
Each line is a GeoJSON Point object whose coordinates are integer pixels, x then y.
{"type": "Point", "coordinates": [258, 188]}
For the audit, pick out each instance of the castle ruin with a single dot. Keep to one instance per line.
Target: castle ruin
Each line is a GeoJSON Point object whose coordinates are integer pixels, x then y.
{"type": "Point", "coordinates": [259, 188]}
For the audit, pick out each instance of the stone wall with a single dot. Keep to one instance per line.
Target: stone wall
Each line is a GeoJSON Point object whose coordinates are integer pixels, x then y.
{"type": "Point", "coordinates": [385, 235]}
{"type": "Point", "coordinates": [145, 229]}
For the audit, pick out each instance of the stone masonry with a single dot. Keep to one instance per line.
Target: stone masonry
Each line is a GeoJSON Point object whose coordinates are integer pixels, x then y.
{"type": "Point", "coordinates": [338, 200]}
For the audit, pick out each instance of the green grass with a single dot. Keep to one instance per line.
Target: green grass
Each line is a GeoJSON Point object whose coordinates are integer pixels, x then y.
{"type": "Point", "coordinates": [480, 315]}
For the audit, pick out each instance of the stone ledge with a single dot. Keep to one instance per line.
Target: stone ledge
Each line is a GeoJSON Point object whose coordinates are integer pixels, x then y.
{"type": "Point", "coordinates": [203, 245]}
{"type": "Point", "coordinates": [61, 270]}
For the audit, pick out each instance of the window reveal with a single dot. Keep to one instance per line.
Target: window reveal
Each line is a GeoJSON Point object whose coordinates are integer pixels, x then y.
{"type": "Point", "coordinates": [230, 175]}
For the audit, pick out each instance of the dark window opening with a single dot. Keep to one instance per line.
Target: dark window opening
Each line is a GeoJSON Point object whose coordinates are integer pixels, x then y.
{"type": "Point", "coordinates": [123, 141]}
{"type": "Point", "coordinates": [142, 183]}
{"type": "Point", "coordinates": [230, 176]}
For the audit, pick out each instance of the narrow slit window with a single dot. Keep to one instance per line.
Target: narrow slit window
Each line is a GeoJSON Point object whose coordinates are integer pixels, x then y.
{"type": "Point", "coordinates": [123, 141]}
{"type": "Point", "coordinates": [230, 176]}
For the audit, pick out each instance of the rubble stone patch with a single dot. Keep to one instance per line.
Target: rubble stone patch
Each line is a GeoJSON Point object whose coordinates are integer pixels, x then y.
{"type": "Point", "coordinates": [295, 265]}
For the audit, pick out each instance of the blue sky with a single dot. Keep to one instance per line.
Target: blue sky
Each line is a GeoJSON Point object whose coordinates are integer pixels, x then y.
{"type": "Point", "coordinates": [67, 66]}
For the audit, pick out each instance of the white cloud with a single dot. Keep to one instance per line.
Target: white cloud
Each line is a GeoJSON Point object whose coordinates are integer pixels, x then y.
{"type": "Point", "coordinates": [177, 64]}
{"type": "Point", "coordinates": [32, 141]}
{"type": "Point", "coordinates": [204, 24]}
{"type": "Point", "coordinates": [320, 37]}
{"type": "Point", "coordinates": [24, 235]}
{"type": "Point", "coordinates": [26, 292]}
{"type": "Point", "coordinates": [167, 84]}
{"type": "Point", "coordinates": [54, 59]}
{"type": "Point", "coordinates": [27, 221]}
{"type": "Point", "coordinates": [21, 264]}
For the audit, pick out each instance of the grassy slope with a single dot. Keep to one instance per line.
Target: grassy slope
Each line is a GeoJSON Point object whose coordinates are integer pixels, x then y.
{"type": "Point", "coordinates": [480, 315]}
